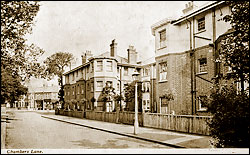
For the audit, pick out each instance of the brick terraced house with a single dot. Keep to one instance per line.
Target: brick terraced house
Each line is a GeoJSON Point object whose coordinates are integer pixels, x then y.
{"type": "Point", "coordinates": [186, 50]}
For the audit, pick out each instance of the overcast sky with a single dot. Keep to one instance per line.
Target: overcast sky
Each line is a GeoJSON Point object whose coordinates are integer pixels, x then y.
{"type": "Point", "coordinates": [77, 26]}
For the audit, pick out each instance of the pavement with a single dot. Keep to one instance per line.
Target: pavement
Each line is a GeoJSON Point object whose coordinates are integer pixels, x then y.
{"type": "Point", "coordinates": [164, 137]}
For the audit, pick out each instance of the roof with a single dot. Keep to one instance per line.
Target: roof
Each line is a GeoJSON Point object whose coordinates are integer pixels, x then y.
{"type": "Point", "coordinates": [46, 89]}
{"type": "Point", "coordinates": [159, 24]}
{"type": "Point", "coordinates": [194, 12]}
{"type": "Point", "coordinates": [198, 10]}
{"type": "Point", "coordinates": [121, 61]}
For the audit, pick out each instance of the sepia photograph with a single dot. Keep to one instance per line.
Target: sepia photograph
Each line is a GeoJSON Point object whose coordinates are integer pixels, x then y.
{"type": "Point", "coordinates": [125, 77]}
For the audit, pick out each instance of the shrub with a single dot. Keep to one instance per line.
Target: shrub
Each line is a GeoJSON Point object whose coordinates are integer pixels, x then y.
{"type": "Point", "coordinates": [230, 123]}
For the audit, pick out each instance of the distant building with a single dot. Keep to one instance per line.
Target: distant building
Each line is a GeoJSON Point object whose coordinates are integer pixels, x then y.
{"type": "Point", "coordinates": [42, 98]}
{"type": "Point", "coordinates": [148, 79]}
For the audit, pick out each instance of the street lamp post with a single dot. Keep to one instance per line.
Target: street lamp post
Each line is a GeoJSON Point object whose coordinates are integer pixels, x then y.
{"type": "Point", "coordinates": [135, 76]}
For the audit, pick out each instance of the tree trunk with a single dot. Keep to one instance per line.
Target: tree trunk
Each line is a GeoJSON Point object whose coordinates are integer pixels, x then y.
{"type": "Point", "coordinates": [242, 82]}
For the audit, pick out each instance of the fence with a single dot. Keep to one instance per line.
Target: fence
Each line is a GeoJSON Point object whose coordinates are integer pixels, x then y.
{"type": "Point", "coordinates": [78, 114]}
{"type": "Point", "coordinates": [181, 123]}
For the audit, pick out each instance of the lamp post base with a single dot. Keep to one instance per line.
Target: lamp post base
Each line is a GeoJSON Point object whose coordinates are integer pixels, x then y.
{"type": "Point", "coordinates": [136, 127]}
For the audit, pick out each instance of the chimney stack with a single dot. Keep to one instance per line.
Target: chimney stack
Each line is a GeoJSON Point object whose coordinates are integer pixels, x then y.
{"type": "Point", "coordinates": [113, 49]}
{"type": "Point", "coordinates": [132, 55]}
{"type": "Point", "coordinates": [86, 56]}
{"type": "Point", "coordinates": [188, 7]}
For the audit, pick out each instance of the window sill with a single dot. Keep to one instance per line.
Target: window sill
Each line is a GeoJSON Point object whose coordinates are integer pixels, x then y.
{"type": "Point", "coordinates": [162, 81]}
{"type": "Point", "coordinates": [162, 47]}
{"type": "Point", "coordinates": [201, 31]}
{"type": "Point", "coordinates": [201, 73]}
{"type": "Point", "coordinates": [202, 110]}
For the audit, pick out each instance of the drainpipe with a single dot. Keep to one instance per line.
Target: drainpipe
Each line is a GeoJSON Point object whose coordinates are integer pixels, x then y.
{"type": "Point", "coordinates": [121, 88]}
{"type": "Point", "coordinates": [214, 37]}
{"type": "Point", "coordinates": [191, 64]}
{"type": "Point", "coordinates": [85, 93]}
{"type": "Point", "coordinates": [194, 57]}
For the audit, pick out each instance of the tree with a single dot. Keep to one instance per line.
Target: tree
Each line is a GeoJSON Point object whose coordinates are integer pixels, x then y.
{"type": "Point", "coordinates": [130, 96]}
{"type": "Point", "coordinates": [55, 65]}
{"type": "Point", "coordinates": [118, 98]}
{"type": "Point", "coordinates": [229, 108]}
{"type": "Point", "coordinates": [229, 125]}
{"type": "Point", "coordinates": [18, 60]}
{"type": "Point", "coordinates": [108, 93]}
{"type": "Point", "coordinates": [235, 46]}
{"type": "Point", "coordinates": [93, 101]}
{"type": "Point", "coordinates": [11, 87]}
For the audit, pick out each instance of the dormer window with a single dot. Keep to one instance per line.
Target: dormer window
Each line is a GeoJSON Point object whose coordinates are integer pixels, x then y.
{"type": "Point", "coordinates": [162, 38]}
{"type": "Point", "coordinates": [201, 24]}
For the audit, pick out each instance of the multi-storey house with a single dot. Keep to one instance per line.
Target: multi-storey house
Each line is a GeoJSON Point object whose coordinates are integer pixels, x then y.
{"type": "Point", "coordinates": [42, 98]}
{"type": "Point", "coordinates": [148, 79]}
{"type": "Point", "coordinates": [84, 84]}
{"type": "Point", "coordinates": [186, 51]}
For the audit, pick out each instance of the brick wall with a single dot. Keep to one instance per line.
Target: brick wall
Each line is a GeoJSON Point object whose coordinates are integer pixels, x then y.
{"type": "Point", "coordinates": [178, 83]}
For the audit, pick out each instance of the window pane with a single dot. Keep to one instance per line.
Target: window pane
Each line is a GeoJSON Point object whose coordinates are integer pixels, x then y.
{"type": "Point", "coordinates": [201, 24]}
{"type": "Point", "coordinates": [163, 35]}
{"type": "Point", "coordinates": [92, 67]}
{"type": "Point", "coordinates": [99, 84]}
{"type": "Point", "coordinates": [203, 65]}
{"type": "Point", "coordinates": [201, 100]}
{"type": "Point", "coordinates": [125, 70]}
{"type": "Point", "coordinates": [163, 71]}
{"type": "Point", "coordinates": [109, 83]}
{"type": "Point", "coordinates": [109, 65]}
{"type": "Point", "coordinates": [99, 66]}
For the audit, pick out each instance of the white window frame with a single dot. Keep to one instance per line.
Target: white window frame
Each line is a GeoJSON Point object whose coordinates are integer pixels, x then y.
{"type": "Point", "coordinates": [92, 67]}
{"type": "Point", "coordinates": [99, 67]}
{"type": "Point", "coordinates": [98, 84]}
{"type": "Point", "coordinates": [110, 83]}
{"type": "Point", "coordinates": [125, 71]}
{"type": "Point", "coordinates": [109, 66]}
{"type": "Point", "coordinates": [91, 86]}
{"type": "Point", "coordinates": [203, 68]}
{"type": "Point", "coordinates": [201, 24]}
{"type": "Point", "coordinates": [163, 38]}
{"type": "Point", "coordinates": [163, 71]}
{"type": "Point", "coordinates": [82, 90]}
{"type": "Point", "coordinates": [200, 104]}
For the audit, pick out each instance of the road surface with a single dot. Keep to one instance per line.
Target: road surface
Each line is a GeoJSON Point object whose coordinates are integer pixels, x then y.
{"type": "Point", "coordinates": [31, 131]}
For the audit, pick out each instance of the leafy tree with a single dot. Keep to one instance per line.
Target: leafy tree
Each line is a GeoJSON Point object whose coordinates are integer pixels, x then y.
{"type": "Point", "coordinates": [55, 66]}
{"type": "Point", "coordinates": [108, 93]}
{"type": "Point", "coordinates": [11, 87]}
{"type": "Point", "coordinates": [93, 101]}
{"type": "Point", "coordinates": [130, 96]}
{"type": "Point", "coordinates": [229, 126]}
{"type": "Point", "coordinates": [18, 60]}
{"type": "Point", "coordinates": [118, 98]}
{"type": "Point", "coordinates": [235, 46]}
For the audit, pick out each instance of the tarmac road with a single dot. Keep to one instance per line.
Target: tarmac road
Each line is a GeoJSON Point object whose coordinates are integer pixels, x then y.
{"type": "Point", "coordinates": [31, 131]}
